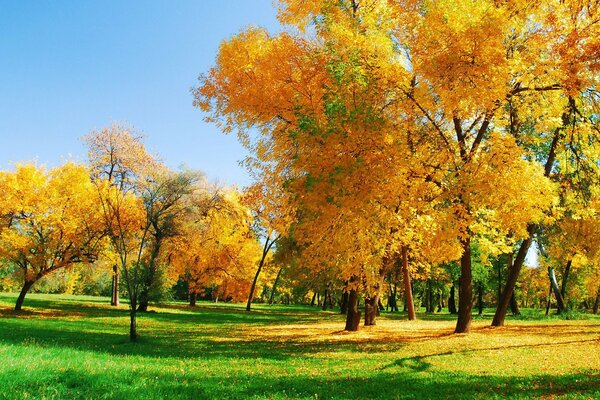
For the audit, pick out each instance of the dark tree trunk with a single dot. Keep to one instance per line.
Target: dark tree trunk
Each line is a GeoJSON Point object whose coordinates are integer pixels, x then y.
{"type": "Point", "coordinates": [549, 300]}
{"type": "Point", "coordinates": [132, 325]}
{"type": "Point", "coordinates": [597, 302]}
{"type": "Point", "coordinates": [26, 286]}
{"type": "Point", "coordinates": [268, 244]}
{"type": "Point", "coordinates": [371, 310]}
{"type": "Point", "coordinates": [499, 296]}
{"type": "Point", "coordinates": [559, 300]}
{"type": "Point", "coordinates": [465, 300]}
{"type": "Point", "coordinates": [144, 301]}
{"type": "Point", "coordinates": [563, 288]}
{"type": "Point", "coordinates": [452, 300]}
{"type": "Point", "coordinates": [381, 307]}
{"type": "Point", "coordinates": [429, 297]}
{"type": "Point", "coordinates": [353, 314]}
{"type": "Point", "coordinates": [272, 297]}
{"type": "Point", "coordinates": [344, 302]}
{"type": "Point", "coordinates": [480, 298]}
{"type": "Point", "coordinates": [392, 298]}
{"type": "Point", "coordinates": [193, 297]}
{"type": "Point", "coordinates": [324, 308]}
{"type": "Point", "coordinates": [114, 301]}
{"type": "Point", "coordinates": [409, 303]}
{"type": "Point", "coordinates": [514, 306]}
{"type": "Point", "coordinates": [314, 299]}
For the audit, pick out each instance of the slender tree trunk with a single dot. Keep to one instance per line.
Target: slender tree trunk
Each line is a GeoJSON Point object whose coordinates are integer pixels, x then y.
{"type": "Point", "coordinates": [597, 302]}
{"type": "Point", "coordinates": [381, 307]}
{"type": "Point", "coordinates": [353, 314]}
{"type": "Point", "coordinates": [115, 287]}
{"type": "Point", "coordinates": [452, 300]}
{"type": "Point", "coordinates": [314, 298]}
{"type": "Point", "coordinates": [429, 297]}
{"type": "Point", "coordinates": [514, 306]}
{"type": "Point", "coordinates": [324, 307]}
{"type": "Point", "coordinates": [480, 298]}
{"type": "Point", "coordinates": [132, 325]}
{"type": "Point", "coordinates": [499, 296]}
{"type": "Point", "coordinates": [272, 297]}
{"type": "Point", "coordinates": [193, 297]}
{"type": "Point", "coordinates": [408, 302]}
{"type": "Point", "coordinates": [465, 300]}
{"type": "Point", "coordinates": [26, 286]}
{"type": "Point", "coordinates": [549, 300]}
{"type": "Point", "coordinates": [266, 248]}
{"type": "Point", "coordinates": [563, 288]}
{"type": "Point", "coordinates": [559, 300]}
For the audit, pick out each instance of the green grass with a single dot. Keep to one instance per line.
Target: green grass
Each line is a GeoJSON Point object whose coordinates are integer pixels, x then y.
{"type": "Point", "coordinates": [75, 347]}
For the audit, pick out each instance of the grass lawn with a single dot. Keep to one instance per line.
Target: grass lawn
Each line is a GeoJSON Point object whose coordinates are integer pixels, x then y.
{"type": "Point", "coordinates": [76, 347]}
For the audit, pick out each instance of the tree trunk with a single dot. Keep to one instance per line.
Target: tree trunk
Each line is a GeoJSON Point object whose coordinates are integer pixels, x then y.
{"type": "Point", "coordinates": [371, 310]}
{"type": "Point", "coordinates": [114, 301]}
{"type": "Point", "coordinates": [480, 298]}
{"type": "Point", "coordinates": [514, 268]}
{"type": "Point", "coordinates": [409, 303]}
{"type": "Point", "coordinates": [559, 300]}
{"type": "Point", "coordinates": [353, 314]}
{"type": "Point", "coordinates": [26, 286]}
{"type": "Point", "coordinates": [549, 300]}
{"type": "Point", "coordinates": [266, 248]}
{"type": "Point", "coordinates": [193, 297]}
{"type": "Point", "coordinates": [465, 300]}
{"type": "Point", "coordinates": [132, 325]}
{"type": "Point", "coordinates": [499, 295]}
{"type": "Point", "coordinates": [597, 302]}
{"type": "Point", "coordinates": [272, 297]}
{"type": "Point", "coordinates": [514, 306]}
{"type": "Point", "coordinates": [344, 302]}
{"type": "Point", "coordinates": [563, 288]}
{"type": "Point", "coordinates": [324, 308]}
{"type": "Point", "coordinates": [314, 298]}
{"type": "Point", "coordinates": [452, 300]}
{"type": "Point", "coordinates": [429, 297]}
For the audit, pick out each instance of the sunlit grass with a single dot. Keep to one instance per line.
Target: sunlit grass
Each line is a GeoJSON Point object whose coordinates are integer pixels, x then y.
{"type": "Point", "coordinates": [64, 347]}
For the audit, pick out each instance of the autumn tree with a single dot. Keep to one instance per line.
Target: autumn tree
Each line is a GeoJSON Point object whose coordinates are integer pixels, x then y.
{"type": "Point", "coordinates": [50, 221]}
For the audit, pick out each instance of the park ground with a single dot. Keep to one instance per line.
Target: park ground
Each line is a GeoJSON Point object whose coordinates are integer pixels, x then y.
{"type": "Point", "coordinates": [77, 347]}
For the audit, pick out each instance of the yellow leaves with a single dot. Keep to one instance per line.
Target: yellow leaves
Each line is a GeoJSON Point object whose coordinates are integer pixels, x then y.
{"type": "Point", "coordinates": [55, 218]}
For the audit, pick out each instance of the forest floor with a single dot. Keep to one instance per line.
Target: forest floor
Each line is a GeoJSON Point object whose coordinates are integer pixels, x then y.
{"type": "Point", "coordinates": [77, 347]}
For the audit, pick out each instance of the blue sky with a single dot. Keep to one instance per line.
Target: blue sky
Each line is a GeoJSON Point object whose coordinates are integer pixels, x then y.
{"type": "Point", "coordinates": [72, 66]}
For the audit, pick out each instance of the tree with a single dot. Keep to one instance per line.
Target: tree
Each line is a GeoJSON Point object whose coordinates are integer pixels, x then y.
{"type": "Point", "coordinates": [53, 221]}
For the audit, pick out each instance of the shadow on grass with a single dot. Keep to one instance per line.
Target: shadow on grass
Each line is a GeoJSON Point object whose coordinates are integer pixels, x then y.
{"type": "Point", "coordinates": [82, 384]}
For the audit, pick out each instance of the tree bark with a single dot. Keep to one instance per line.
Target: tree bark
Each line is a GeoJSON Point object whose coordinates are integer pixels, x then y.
{"type": "Point", "coordinates": [559, 299]}
{"type": "Point", "coordinates": [272, 297]}
{"type": "Point", "coordinates": [549, 300]}
{"type": "Point", "coordinates": [452, 300]}
{"type": "Point", "coordinates": [26, 286]}
{"type": "Point", "coordinates": [465, 300]}
{"type": "Point", "coordinates": [409, 303]}
{"type": "Point", "coordinates": [371, 310]}
{"type": "Point", "coordinates": [514, 306]}
{"type": "Point", "coordinates": [563, 288]}
{"type": "Point", "coordinates": [114, 301]}
{"type": "Point", "coordinates": [133, 325]}
{"type": "Point", "coordinates": [480, 298]}
{"type": "Point", "coordinates": [324, 308]}
{"type": "Point", "coordinates": [268, 244]}
{"type": "Point", "coordinates": [353, 314]}
{"type": "Point", "coordinates": [193, 297]}
{"type": "Point", "coordinates": [597, 302]}
{"type": "Point", "coordinates": [344, 302]}
{"type": "Point", "coordinates": [314, 298]}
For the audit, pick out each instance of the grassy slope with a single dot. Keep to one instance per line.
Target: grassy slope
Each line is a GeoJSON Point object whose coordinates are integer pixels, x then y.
{"type": "Point", "coordinates": [68, 347]}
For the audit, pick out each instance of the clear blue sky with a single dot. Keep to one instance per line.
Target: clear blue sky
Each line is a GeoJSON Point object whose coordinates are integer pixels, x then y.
{"type": "Point", "coordinates": [72, 66]}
